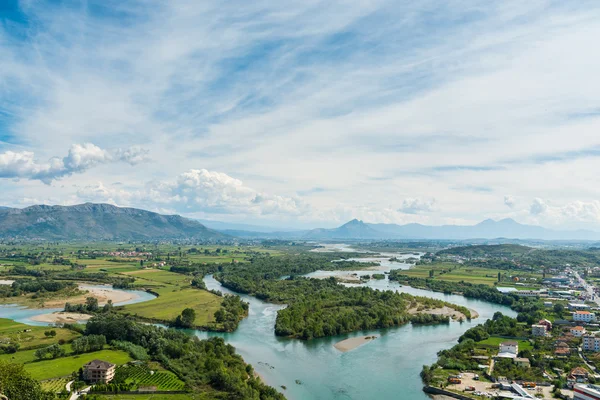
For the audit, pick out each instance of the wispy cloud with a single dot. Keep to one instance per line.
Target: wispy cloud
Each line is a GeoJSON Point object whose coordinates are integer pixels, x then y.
{"type": "Point", "coordinates": [373, 100]}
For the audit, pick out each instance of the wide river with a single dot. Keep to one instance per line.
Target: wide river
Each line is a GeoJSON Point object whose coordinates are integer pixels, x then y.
{"type": "Point", "coordinates": [386, 368]}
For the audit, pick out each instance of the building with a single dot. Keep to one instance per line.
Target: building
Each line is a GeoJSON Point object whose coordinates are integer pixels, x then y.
{"type": "Point", "coordinates": [584, 316]}
{"type": "Point", "coordinates": [508, 349]}
{"type": "Point", "coordinates": [591, 343]}
{"type": "Point", "coordinates": [577, 331]}
{"type": "Point", "coordinates": [528, 293]}
{"type": "Point", "coordinates": [98, 371]}
{"type": "Point", "coordinates": [546, 323]}
{"type": "Point", "coordinates": [538, 330]}
{"type": "Point", "coordinates": [586, 392]}
{"type": "Point", "coordinates": [522, 362]}
{"type": "Point", "coordinates": [578, 307]}
{"type": "Point", "coordinates": [579, 375]}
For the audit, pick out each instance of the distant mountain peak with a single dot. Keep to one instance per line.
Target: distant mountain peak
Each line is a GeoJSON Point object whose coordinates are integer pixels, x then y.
{"type": "Point", "coordinates": [92, 221]}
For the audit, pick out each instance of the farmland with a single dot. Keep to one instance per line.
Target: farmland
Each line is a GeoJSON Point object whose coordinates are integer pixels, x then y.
{"type": "Point", "coordinates": [143, 376]}
{"type": "Point", "coordinates": [30, 337]}
{"type": "Point", "coordinates": [48, 369]}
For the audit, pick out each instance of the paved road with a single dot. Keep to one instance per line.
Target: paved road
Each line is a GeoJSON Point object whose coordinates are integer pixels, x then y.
{"type": "Point", "coordinates": [588, 288]}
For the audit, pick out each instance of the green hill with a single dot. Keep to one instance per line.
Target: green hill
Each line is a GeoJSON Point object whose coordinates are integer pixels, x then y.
{"type": "Point", "coordinates": [98, 222]}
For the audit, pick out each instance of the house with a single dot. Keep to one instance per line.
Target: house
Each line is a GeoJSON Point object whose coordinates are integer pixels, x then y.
{"type": "Point", "coordinates": [538, 330]}
{"type": "Point", "coordinates": [578, 307]}
{"type": "Point", "coordinates": [577, 331]}
{"type": "Point", "coordinates": [561, 349]}
{"type": "Point", "coordinates": [584, 316]}
{"type": "Point", "coordinates": [546, 323]}
{"type": "Point", "coordinates": [522, 362]}
{"type": "Point", "coordinates": [98, 371]}
{"type": "Point", "coordinates": [591, 343]}
{"type": "Point", "coordinates": [586, 392]}
{"type": "Point", "coordinates": [508, 349]}
{"type": "Point", "coordinates": [579, 375]}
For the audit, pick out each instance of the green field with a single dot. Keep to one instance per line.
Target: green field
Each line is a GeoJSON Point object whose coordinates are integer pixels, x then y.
{"type": "Point", "coordinates": [453, 272]}
{"type": "Point", "coordinates": [48, 369]}
{"type": "Point", "coordinates": [494, 341]}
{"type": "Point", "coordinates": [55, 385]}
{"type": "Point", "coordinates": [158, 276]}
{"type": "Point", "coordinates": [154, 375]}
{"type": "Point", "coordinates": [172, 301]}
{"type": "Point", "coordinates": [15, 332]}
{"type": "Point", "coordinates": [187, 396]}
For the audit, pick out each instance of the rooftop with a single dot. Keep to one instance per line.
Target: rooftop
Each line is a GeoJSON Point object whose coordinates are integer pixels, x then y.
{"type": "Point", "coordinates": [99, 364]}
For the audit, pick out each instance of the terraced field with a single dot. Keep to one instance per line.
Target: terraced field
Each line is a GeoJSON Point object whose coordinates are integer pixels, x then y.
{"type": "Point", "coordinates": [142, 375]}
{"type": "Point", "coordinates": [55, 385]}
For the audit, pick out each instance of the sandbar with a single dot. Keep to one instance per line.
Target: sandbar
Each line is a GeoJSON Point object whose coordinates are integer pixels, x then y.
{"type": "Point", "coordinates": [61, 317]}
{"type": "Point", "coordinates": [352, 343]}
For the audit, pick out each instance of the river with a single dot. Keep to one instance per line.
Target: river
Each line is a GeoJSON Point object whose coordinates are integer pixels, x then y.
{"type": "Point", "coordinates": [24, 314]}
{"type": "Point", "coordinates": [386, 368]}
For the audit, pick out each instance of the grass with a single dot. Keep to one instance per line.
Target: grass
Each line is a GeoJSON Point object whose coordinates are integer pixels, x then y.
{"type": "Point", "coordinates": [188, 396]}
{"type": "Point", "coordinates": [494, 342]}
{"type": "Point", "coordinates": [48, 369]}
{"type": "Point", "coordinates": [453, 272]}
{"type": "Point", "coordinates": [15, 332]}
{"type": "Point", "coordinates": [55, 385]}
{"type": "Point", "coordinates": [172, 301]}
{"type": "Point", "coordinates": [141, 375]}
{"type": "Point", "coordinates": [160, 276]}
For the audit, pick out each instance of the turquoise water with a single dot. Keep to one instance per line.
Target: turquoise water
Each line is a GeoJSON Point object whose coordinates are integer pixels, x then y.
{"type": "Point", "coordinates": [386, 368]}
{"type": "Point", "coordinates": [24, 315]}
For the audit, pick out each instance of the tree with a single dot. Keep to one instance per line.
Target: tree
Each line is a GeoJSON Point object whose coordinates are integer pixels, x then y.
{"type": "Point", "coordinates": [91, 303]}
{"type": "Point", "coordinates": [16, 383]}
{"type": "Point", "coordinates": [499, 276]}
{"type": "Point", "coordinates": [559, 309]}
{"type": "Point", "coordinates": [431, 273]}
{"type": "Point", "coordinates": [186, 319]}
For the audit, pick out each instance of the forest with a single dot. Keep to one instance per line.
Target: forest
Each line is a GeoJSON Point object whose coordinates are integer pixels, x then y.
{"type": "Point", "coordinates": [199, 363]}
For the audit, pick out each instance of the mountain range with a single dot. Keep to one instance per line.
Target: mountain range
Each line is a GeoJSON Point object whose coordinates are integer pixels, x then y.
{"type": "Point", "coordinates": [488, 229]}
{"type": "Point", "coordinates": [98, 222]}
{"type": "Point", "coordinates": [107, 222]}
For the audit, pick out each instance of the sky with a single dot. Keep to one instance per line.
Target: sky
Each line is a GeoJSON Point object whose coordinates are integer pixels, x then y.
{"type": "Point", "coordinates": [305, 113]}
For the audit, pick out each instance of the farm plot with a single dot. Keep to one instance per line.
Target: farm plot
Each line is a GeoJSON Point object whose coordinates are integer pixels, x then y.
{"type": "Point", "coordinates": [143, 376]}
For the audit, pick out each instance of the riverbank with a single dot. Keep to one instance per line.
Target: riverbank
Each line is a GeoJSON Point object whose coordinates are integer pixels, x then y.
{"type": "Point", "coordinates": [444, 311]}
{"type": "Point", "coordinates": [352, 343]}
{"type": "Point", "coordinates": [61, 317]}
{"type": "Point", "coordinates": [102, 293]}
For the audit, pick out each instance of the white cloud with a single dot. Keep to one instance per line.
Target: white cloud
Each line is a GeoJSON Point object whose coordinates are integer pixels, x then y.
{"type": "Point", "coordinates": [81, 157]}
{"type": "Point", "coordinates": [416, 206]}
{"type": "Point", "coordinates": [574, 214]}
{"type": "Point", "coordinates": [509, 201]}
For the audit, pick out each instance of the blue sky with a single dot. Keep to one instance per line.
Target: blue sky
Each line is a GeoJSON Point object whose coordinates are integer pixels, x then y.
{"type": "Point", "coordinates": [304, 113]}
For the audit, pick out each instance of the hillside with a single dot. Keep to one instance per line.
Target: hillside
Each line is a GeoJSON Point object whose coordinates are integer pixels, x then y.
{"type": "Point", "coordinates": [98, 222]}
{"type": "Point", "coordinates": [354, 229]}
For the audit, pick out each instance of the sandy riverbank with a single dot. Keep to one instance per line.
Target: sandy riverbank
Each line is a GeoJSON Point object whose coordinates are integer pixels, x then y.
{"type": "Point", "coordinates": [352, 343]}
{"type": "Point", "coordinates": [103, 294]}
{"type": "Point", "coordinates": [61, 317]}
{"type": "Point", "coordinates": [445, 311]}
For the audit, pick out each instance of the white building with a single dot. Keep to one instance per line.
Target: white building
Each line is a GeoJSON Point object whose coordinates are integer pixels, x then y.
{"type": "Point", "coordinates": [538, 330]}
{"type": "Point", "coordinates": [586, 392]}
{"type": "Point", "coordinates": [578, 306]}
{"type": "Point", "coordinates": [591, 343]}
{"type": "Point", "coordinates": [584, 316]}
{"type": "Point", "coordinates": [578, 331]}
{"type": "Point", "coordinates": [508, 349]}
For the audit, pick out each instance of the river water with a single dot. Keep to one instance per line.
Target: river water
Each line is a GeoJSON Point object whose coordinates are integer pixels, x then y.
{"type": "Point", "coordinates": [386, 368]}
{"type": "Point", "coordinates": [24, 315]}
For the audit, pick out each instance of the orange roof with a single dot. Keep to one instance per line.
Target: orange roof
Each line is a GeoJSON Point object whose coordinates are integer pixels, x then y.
{"type": "Point", "coordinates": [578, 328]}
{"type": "Point", "coordinates": [582, 312]}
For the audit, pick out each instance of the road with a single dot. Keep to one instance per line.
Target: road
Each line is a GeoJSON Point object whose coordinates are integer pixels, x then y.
{"type": "Point", "coordinates": [588, 288]}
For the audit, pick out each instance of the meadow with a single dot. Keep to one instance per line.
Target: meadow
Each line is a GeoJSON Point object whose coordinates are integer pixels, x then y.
{"type": "Point", "coordinates": [64, 366]}
{"type": "Point", "coordinates": [31, 337]}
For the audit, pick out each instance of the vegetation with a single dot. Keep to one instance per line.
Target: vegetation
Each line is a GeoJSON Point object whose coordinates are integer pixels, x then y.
{"type": "Point", "coordinates": [16, 383]}
{"type": "Point", "coordinates": [199, 363]}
